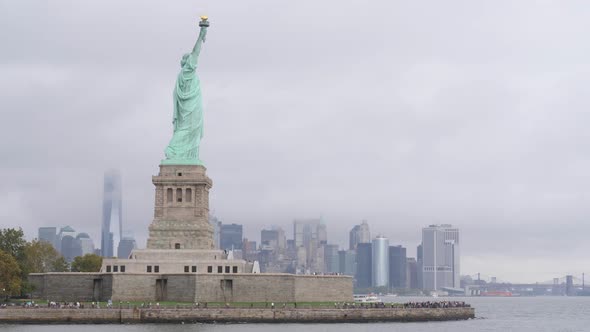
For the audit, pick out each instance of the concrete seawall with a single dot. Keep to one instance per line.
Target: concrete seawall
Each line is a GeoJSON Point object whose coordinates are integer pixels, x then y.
{"type": "Point", "coordinates": [241, 315]}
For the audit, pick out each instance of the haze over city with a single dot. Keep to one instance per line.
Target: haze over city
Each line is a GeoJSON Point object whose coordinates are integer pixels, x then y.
{"type": "Point", "coordinates": [403, 114]}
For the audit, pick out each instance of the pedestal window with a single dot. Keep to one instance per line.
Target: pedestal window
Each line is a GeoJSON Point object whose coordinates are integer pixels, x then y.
{"type": "Point", "coordinates": [169, 197]}
{"type": "Point", "coordinates": [179, 195]}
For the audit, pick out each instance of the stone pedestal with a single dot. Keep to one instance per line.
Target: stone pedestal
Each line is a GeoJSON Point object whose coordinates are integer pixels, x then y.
{"type": "Point", "coordinates": [181, 214]}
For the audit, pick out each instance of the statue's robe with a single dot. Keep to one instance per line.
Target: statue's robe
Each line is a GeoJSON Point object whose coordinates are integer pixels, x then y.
{"type": "Point", "coordinates": [188, 116]}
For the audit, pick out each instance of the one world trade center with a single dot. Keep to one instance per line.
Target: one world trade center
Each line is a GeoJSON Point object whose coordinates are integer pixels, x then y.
{"type": "Point", "coordinates": [112, 213]}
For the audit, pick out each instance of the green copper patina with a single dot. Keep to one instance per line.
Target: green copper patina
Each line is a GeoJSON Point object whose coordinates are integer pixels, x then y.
{"type": "Point", "coordinates": [188, 109]}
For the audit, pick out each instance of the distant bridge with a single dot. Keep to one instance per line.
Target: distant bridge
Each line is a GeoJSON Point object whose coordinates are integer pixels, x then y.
{"type": "Point", "coordinates": [565, 285]}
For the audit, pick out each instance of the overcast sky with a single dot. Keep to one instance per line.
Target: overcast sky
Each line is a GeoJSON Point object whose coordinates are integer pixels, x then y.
{"type": "Point", "coordinates": [404, 113]}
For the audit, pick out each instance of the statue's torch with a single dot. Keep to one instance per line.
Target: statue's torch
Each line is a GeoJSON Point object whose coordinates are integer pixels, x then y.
{"type": "Point", "coordinates": [204, 22]}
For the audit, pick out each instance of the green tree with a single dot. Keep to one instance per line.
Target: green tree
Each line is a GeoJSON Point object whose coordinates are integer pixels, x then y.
{"type": "Point", "coordinates": [61, 265]}
{"type": "Point", "coordinates": [41, 257]}
{"type": "Point", "coordinates": [12, 242]}
{"type": "Point", "coordinates": [10, 275]}
{"type": "Point", "coordinates": [87, 263]}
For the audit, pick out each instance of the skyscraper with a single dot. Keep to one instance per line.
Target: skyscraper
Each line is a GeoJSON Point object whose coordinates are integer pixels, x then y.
{"type": "Point", "coordinates": [380, 261]}
{"type": "Point", "coordinates": [419, 263]}
{"type": "Point", "coordinates": [64, 232]}
{"type": "Point", "coordinates": [440, 257]}
{"type": "Point", "coordinates": [231, 237]}
{"type": "Point", "coordinates": [301, 259]}
{"type": "Point", "coordinates": [364, 234]}
{"type": "Point", "coordinates": [298, 226]}
{"type": "Point", "coordinates": [86, 244]}
{"type": "Point", "coordinates": [311, 234]}
{"type": "Point", "coordinates": [322, 233]}
{"type": "Point", "coordinates": [316, 262]}
{"type": "Point", "coordinates": [364, 265]}
{"type": "Point", "coordinates": [112, 213]}
{"type": "Point", "coordinates": [304, 230]}
{"type": "Point", "coordinates": [216, 231]}
{"type": "Point", "coordinates": [250, 250]}
{"type": "Point", "coordinates": [353, 241]}
{"type": "Point", "coordinates": [397, 267]}
{"type": "Point", "coordinates": [347, 260]}
{"type": "Point", "coordinates": [126, 245]}
{"type": "Point", "coordinates": [49, 235]}
{"type": "Point", "coordinates": [412, 273]}
{"type": "Point", "coordinates": [359, 234]}
{"type": "Point", "coordinates": [70, 248]}
{"type": "Point", "coordinates": [331, 258]}
{"type": "Point", "coordinates": [275, 238]}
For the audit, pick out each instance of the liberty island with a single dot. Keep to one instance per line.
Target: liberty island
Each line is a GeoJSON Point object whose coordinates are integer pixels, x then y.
{"type": "Point", "coordinates": [181, 265]}
{"type": "Point", "coordinates": [180, 262]}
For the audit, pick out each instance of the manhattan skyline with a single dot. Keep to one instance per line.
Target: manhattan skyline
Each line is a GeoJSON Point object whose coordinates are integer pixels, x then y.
{"type": "Point", "coordinates": [405, 119]}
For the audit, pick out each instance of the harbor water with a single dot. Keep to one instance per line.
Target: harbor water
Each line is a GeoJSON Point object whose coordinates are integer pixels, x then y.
{"type": "Point", "coordinates": [567, 314]}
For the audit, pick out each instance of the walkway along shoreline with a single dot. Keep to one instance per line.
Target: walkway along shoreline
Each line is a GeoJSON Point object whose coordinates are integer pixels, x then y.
{"type": "Point", "coordinates": [229, 315]}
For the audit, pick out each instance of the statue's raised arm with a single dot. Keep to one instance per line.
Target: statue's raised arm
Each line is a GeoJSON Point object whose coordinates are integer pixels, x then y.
{"type": "Point", "coordinates": [204, 24]}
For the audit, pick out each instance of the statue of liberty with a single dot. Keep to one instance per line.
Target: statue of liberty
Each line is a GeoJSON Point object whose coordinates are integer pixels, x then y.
{"type": "Point", "coordinates": [188, 109]}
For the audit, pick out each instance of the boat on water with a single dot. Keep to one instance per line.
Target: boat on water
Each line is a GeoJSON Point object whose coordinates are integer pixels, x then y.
{"type": "Point", "coordinates": [438, 293]}
{"type": "Point", "coordinates": [370, 298]}
{"type": "Point", "coordinates": [497, 293]}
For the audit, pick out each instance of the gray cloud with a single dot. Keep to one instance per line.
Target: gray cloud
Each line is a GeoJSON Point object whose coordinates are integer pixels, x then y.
{"type": "Point", "coordinates": [403, 113]}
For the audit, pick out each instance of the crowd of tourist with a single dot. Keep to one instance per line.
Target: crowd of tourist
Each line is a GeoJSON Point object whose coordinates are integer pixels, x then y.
{"type": "Point", "coordinates": [378, 305]}
{"type": "Point", "coordinates": [438, 304]}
